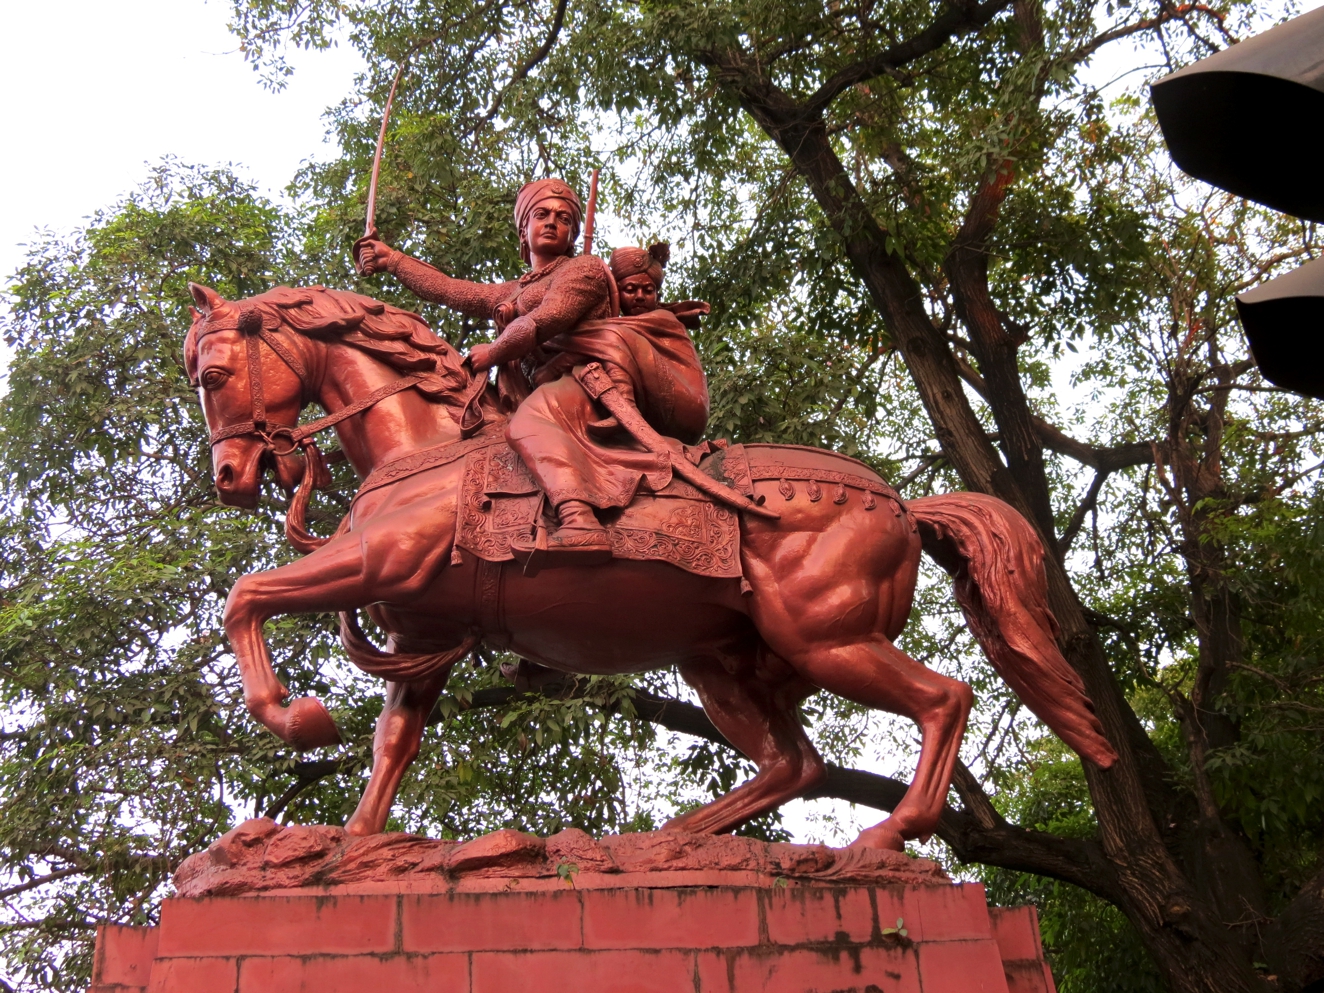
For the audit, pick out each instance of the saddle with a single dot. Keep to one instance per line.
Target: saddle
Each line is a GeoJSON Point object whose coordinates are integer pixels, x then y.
{"type": "Point", "coordinates": [499, 502]}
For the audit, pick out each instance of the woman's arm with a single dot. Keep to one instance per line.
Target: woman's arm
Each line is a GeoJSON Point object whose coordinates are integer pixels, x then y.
{"type": "Point", "coordinates": [471, 299]}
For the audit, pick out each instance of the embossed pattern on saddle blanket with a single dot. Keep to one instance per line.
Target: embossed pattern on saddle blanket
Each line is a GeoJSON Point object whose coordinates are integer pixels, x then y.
{"type": "Point", "coordinates": [818, 473]}
{"type": "Point", "coordinates": [499, 501]}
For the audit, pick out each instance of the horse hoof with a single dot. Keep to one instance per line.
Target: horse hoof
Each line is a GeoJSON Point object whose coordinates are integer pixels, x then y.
{"type": "Point", "coordinates": [880, 837]}
{"type": "Point", "coordinates": [358, 827]}
{"type": "Point", "coordinates": [308, 725]}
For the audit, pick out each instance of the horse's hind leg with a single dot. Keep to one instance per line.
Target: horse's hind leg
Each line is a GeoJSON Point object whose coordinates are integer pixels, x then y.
{"type": "Point", "coordinates": [394, 747]}
{"type": "Point", "coordinates": [876, 673]}
{"type": "Point", "coordinates": [757, 708]}
{"type": "Point", "coordinates": [829, 594]}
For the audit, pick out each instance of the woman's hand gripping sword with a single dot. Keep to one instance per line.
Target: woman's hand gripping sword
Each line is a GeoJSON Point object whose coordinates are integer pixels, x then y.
{"type": "Point", "coordinates": [599, 386]}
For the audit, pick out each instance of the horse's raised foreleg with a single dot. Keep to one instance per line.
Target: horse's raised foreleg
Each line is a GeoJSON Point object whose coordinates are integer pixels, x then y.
{"type": "Point", "coordinates": [394, 747]}
{"type": "Point", "coordinates": [386, 561]}
{"type": "Point", "coordinates": [758, 710]}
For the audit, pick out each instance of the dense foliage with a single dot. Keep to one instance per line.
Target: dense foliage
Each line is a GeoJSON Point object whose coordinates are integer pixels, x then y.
{"type": "Point", "coordinates": [963, 263]}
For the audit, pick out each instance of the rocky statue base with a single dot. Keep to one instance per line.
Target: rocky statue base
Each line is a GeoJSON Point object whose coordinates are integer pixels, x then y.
{"type": "Point", "coordinates": [280, 910]}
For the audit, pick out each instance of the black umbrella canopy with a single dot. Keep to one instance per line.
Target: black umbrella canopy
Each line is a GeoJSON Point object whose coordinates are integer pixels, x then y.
{"type": "Point", "coordinates": [1247, 119]}
{"type": "Point", "coordinates": [1284, 321]}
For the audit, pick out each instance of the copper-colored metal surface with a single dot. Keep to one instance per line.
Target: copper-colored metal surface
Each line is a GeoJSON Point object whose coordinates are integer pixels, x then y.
{"type": "Point", "coordinates": [591, 214]}
{"type": "Point", "coordinates": [591, 409]}
{"type": "Point", "coordinates": [370, 219]}
{"type": "Point", "coordinates": [1247, 118]}
{"type": "Point", "coordinates": [826, 587]}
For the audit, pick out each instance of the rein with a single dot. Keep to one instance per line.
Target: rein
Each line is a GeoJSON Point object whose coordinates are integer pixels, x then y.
{"type": "Point", "coordinates": [283, 440]}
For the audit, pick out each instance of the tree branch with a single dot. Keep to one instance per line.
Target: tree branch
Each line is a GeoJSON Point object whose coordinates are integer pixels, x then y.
{"type": "Point", "coordinates": [956, 19]}
{"type": "Point", "coordinates": [1104, 459]}
{"type": "Point", "coordinates": [32, 884]}
{"type": "Point", "coordinates": [306, 774]}
{"type": "Point", "coordinates": [543, 51]}
{"type": "Point", "coordinates": [1078, 518]}
{"type": "Point", "coordinates": [1146, 24]}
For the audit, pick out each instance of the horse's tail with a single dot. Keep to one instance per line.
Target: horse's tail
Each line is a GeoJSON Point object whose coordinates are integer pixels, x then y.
{"type": "Point", "coordinates": [996, 562]}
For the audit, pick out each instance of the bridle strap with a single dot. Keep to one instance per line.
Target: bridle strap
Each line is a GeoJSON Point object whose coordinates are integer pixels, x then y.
{"type": "Point", "coordinates": [286, 439]}
{"type": "Point", "coordinates": [287, 355]}
{"type": "Point", "coordinates": [296, 437]}
{"type": "Point", "coordinates": [257, 395]}
{"type": "Point", "coordinates": [358, 406]}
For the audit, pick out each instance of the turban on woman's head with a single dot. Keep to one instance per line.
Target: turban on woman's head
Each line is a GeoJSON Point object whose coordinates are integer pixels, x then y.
{"type": "Point", "coordinates": [532, 194]}
{"type": "Point", "coordinates": [630, 261]}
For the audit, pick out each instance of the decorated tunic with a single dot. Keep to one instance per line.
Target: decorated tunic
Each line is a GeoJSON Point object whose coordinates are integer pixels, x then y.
{"type": "Point", "coordinates": [572, 451]}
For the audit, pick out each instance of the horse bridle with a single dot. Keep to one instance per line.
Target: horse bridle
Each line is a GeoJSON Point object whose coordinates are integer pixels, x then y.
{"type": "Point", "coordinates": [296, 437]}
{"type": "Point", "coordinates": [250, 326]}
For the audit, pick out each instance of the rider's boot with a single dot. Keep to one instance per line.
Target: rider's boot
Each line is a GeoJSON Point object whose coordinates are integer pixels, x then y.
{"type": "Point", "coordinates": [580, 540]}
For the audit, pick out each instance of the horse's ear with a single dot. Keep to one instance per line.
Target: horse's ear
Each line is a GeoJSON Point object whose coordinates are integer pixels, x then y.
{"type": "Point", "coordinates": [206, 298]}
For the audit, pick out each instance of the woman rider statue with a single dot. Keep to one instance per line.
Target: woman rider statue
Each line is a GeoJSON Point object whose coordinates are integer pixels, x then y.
{"type": "Point", "coordinates": [557, 317]}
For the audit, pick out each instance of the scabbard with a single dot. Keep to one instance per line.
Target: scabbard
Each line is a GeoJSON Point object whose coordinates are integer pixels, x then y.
{"type": "Point", "coordinates": [599, 386]}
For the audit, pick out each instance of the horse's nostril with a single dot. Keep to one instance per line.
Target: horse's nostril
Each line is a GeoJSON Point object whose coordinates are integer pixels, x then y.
{"type": "Point", "coordinates": [225, 476]}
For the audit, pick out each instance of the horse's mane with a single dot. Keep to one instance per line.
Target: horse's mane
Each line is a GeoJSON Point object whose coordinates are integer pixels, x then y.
{"type": "Point", "coordinates": [397, 337]}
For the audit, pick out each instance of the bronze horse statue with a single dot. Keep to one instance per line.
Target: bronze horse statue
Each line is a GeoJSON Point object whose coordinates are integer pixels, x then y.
{"type": "Point", "coordinates": [827, 585]}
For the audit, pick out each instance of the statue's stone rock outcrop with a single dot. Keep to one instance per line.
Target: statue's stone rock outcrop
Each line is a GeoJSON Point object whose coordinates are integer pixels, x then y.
{"type": "Point", "coordinates": [260, 855]}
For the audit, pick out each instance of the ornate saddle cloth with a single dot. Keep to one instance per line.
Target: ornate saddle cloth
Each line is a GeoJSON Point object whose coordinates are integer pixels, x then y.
{"type": "Point", "coordinates": [499, 501]}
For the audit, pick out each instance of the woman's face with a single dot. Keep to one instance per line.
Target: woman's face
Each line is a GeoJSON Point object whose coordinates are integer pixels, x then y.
{"type": "Point", "coordinates": [638, 294]}
{"type": "Point", "coordinates": [551, 225]}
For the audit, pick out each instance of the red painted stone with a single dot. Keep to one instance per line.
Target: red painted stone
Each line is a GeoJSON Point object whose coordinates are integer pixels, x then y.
{"type": "Point", "coordinates": [970, 966]}
{"type": "Point", "coordinates": [498, 850]}
{"type": "Point", "coordinates": [663, 918]}
{"type": "Point", "coordinates": [276, 925]}
{"type": "Point", "coordinates": [820, 914]}
{"type": "Point", "coordinates": [490, 922]}
{"type": "Point", "coordinates": [194, 975]}
{"type": "Point", "coordinates": [947, 913]}
{"type": "Point", "coordinates": [581, 972]}
{"type": "Point", "coordinates": [841, 970]}
{"type": "Point", "coordinates": [355, 974]}
{"type": "Point", "coordinates": [124, 955]}
{"type": "Point", "coordinates": [1016, 930]}
{"type": "Point", "coordinates": [259, 855]}
{"type": "Point", "coordinates": [320, 911]}
{"type": "Point", "coordinates": [579, 849]}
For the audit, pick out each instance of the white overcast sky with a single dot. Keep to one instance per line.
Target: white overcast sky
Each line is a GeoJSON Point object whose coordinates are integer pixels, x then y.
{"type": "Point", "coordinates": [96, 91]}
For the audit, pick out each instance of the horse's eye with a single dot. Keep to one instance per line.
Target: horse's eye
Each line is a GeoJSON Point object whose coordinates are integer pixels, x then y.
{"type": "Point", "coordinates": [214, 379]}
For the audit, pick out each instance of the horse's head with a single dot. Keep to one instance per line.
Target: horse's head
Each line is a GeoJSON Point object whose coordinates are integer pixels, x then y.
{"type": "Point", "coordinates": [251, 396]}
{"type": "Point", "coordinates": [256, 362]}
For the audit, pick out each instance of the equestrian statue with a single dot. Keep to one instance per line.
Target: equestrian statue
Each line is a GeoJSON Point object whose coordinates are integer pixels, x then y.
{"type": "Point", "coordinates": [570, 512]}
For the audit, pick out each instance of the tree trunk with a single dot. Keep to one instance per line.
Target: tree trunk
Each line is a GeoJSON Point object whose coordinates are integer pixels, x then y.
{"type": "Point", "coordinates": [1182, 932]}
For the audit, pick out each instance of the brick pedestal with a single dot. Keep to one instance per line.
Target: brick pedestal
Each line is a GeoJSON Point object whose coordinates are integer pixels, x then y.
{"type": "Point", "coordinates": [482, 924]}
